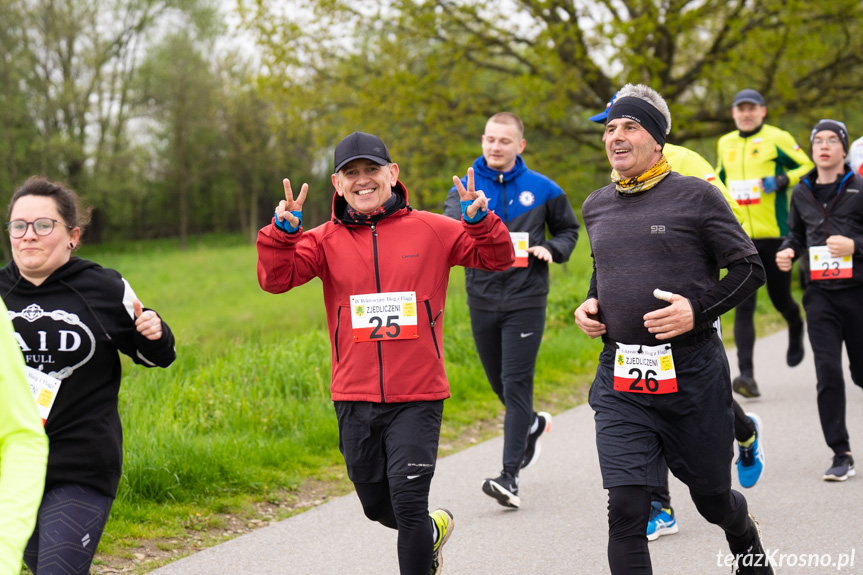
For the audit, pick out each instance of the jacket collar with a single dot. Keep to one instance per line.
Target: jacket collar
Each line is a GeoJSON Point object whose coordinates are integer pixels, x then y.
{"type": "Point", "coordinates": [482, 169]}
{"type": "Point", "coordinates": [812, 175]}
{"type": "Point", "coordinates": [402, 207]}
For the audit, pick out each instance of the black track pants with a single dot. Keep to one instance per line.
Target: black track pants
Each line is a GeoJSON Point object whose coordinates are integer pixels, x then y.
{"type": "Point", "coordinates": [507, 343]}
{"type": "Point", "coordinates": [835, 316]}
{"type": "Point", "coordinates": [779, 290]}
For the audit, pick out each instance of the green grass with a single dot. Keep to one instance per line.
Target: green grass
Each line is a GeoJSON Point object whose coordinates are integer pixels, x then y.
{"type": "Point", "coordinates": [243, 417]}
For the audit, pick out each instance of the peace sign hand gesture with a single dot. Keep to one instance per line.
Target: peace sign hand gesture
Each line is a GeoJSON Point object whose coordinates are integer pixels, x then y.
{"type": "Point", "coordinates": [480, 202]}
{"type": "Point", "coordinates": [289, 204]}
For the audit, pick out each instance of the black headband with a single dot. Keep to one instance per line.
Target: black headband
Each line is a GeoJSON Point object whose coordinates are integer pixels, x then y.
{"type": "Point", "coordinates": [642, 112]}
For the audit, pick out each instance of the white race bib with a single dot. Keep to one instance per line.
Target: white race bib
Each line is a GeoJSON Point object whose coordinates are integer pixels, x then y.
{"type": "Point", "coordinates": [644, 369]}
{"type": "Point", "coordinates": [384, 316]}
{"type": "Point", "coordinates": [824, 267]}
{"type": "Point", "coordinates": [746, 192]}
{"type": "Point", "coordinates": [44, 389]}
{"type": "Point", "coordinates": [520, 243]}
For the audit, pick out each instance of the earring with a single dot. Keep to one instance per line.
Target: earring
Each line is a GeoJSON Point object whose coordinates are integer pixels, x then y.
{"type": "Point", "coordinates": [71, 246]}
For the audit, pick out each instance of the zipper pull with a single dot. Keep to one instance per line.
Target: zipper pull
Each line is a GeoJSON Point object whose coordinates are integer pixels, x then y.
{"type": "Point", "coordinates": [434, 321]}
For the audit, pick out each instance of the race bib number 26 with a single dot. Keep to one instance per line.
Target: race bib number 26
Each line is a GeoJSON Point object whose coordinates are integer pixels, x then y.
{"type": "Point", "coordinates": [644, 369]}
{"type": "Point", "coordinates": [384, 316]}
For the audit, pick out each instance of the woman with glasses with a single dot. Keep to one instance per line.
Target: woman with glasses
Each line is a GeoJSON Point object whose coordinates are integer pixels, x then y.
{"type": "Point", "coordinates": [71, 318]}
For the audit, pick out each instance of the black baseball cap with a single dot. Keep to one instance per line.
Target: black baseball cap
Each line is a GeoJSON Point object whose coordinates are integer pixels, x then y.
{"type": "Point", "coordinates": [748, 95]}
{"type": "Point", "coordinates": [361, 145]}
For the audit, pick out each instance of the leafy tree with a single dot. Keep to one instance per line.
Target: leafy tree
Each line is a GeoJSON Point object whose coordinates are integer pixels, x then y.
{"type": "Point", "coordinates": [426, 73]}
{"type": "Point", "coordinates": [180, 92]}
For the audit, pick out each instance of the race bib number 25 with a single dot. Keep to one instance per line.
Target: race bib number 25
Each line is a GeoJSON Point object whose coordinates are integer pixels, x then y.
{"type": "Point", "coordinates": [644, 369]}
{"type": "Point", "coordinates": [384, 316]}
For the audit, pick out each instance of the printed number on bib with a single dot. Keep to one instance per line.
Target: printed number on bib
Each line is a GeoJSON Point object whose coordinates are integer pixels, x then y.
{"type": "Point", "coordinates": [384, 316]}
{"type": "Point", "coordinates": [44, 389]}
{"type": "Point", "coordinates": [746, 192]}
{"type": "Point", "coordinates": [644, 369]}
{"type": "Point", "coordinates": [824, 267]}
{"type": "Point", "coordinates": [520, 243]}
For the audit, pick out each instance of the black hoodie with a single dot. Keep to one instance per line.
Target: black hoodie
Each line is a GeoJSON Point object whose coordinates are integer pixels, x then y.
{"type": "Point", "coordinates": [71, 327]}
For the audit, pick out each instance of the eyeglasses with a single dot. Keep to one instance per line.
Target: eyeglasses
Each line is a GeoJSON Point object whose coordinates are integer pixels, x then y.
{"type": "Point", "coordinates": [41, 226]}
{"type": "Point", "coordinates": [829, 141]}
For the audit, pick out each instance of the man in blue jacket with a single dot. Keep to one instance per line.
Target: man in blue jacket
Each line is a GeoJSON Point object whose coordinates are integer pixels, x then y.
{"type": "Point", "coordinates": [507, 309]}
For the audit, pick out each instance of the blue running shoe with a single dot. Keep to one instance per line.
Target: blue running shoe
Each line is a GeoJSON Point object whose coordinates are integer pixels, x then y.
{"type": "Point", "coordinates": [750, 463]}
{"type": "Point", "coordinates": [661, 521]}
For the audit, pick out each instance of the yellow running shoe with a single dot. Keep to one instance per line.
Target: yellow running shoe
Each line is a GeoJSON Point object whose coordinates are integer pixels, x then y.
{"type": "Point", "coordinates": [444, 522]}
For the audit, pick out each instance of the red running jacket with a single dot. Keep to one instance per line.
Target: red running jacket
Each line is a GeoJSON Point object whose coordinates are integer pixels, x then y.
{"type": "Point", "coordinates": [408, 250]}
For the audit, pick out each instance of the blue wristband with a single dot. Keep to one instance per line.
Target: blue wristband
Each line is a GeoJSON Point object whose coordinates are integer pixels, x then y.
{"type": "Point", "coordinates": [285, 226]}
{"type": "Point", "coordinates": [479, 215]}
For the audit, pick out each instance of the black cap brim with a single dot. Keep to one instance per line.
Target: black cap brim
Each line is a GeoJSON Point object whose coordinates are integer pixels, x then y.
{"type": "Point", "coordinates": [375, 159]}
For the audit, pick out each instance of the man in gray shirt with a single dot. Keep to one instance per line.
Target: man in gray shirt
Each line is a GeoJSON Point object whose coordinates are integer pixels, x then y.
{"type": "Point", "coordinates": [663, 386]}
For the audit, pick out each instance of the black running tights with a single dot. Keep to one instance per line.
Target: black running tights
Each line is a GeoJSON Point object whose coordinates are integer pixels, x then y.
{"type": "Point", "coordinates": [68, 528]}
{"type": "Point", "coordinates": [401, 503]}
{"type": "Point", "coordinates": [628, 513]}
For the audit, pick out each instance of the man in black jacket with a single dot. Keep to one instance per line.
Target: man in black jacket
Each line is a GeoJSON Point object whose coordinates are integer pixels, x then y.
{"type": "Point", "coordinates": [826, 219]}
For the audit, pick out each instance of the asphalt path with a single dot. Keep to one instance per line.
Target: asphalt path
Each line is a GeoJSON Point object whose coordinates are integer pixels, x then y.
{"type": "Point", "coordinates": [809, 526]}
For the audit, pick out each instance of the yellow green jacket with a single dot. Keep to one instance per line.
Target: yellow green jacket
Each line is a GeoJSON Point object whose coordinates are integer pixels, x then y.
{"type": "Point", "coordinates": [689, 163]}
{"type": "Point", "coordinates": [23, 453]}
{"type": "Point", "coordinates": [742, 162]}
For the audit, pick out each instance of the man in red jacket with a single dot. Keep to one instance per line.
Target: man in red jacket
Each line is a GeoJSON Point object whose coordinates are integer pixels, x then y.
{"type": "Point", "coordinates": [385, 269]}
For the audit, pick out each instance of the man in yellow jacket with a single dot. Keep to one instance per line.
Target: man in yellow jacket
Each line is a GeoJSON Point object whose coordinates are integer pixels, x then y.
{"type": "Point", "coordinates": [759, 164]}
{"type": "Point", "coordinates": [23, 453]}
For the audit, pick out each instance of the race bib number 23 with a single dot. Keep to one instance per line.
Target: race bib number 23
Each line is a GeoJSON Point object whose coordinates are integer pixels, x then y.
{"type": "Point", "coordinates": [822, 266]}
{"type": "Point", "coordinates": [384, 316]}
{"type": "Point", "coordinates": [644, 369]}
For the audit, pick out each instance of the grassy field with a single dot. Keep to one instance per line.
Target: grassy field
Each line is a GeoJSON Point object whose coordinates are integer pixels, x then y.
{"type": "Point", "coordinates": [240, 431]}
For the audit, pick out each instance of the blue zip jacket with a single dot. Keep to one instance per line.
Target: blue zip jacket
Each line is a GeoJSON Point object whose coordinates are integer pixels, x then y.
{"type": "Point", "coordinates": [529, 202]}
